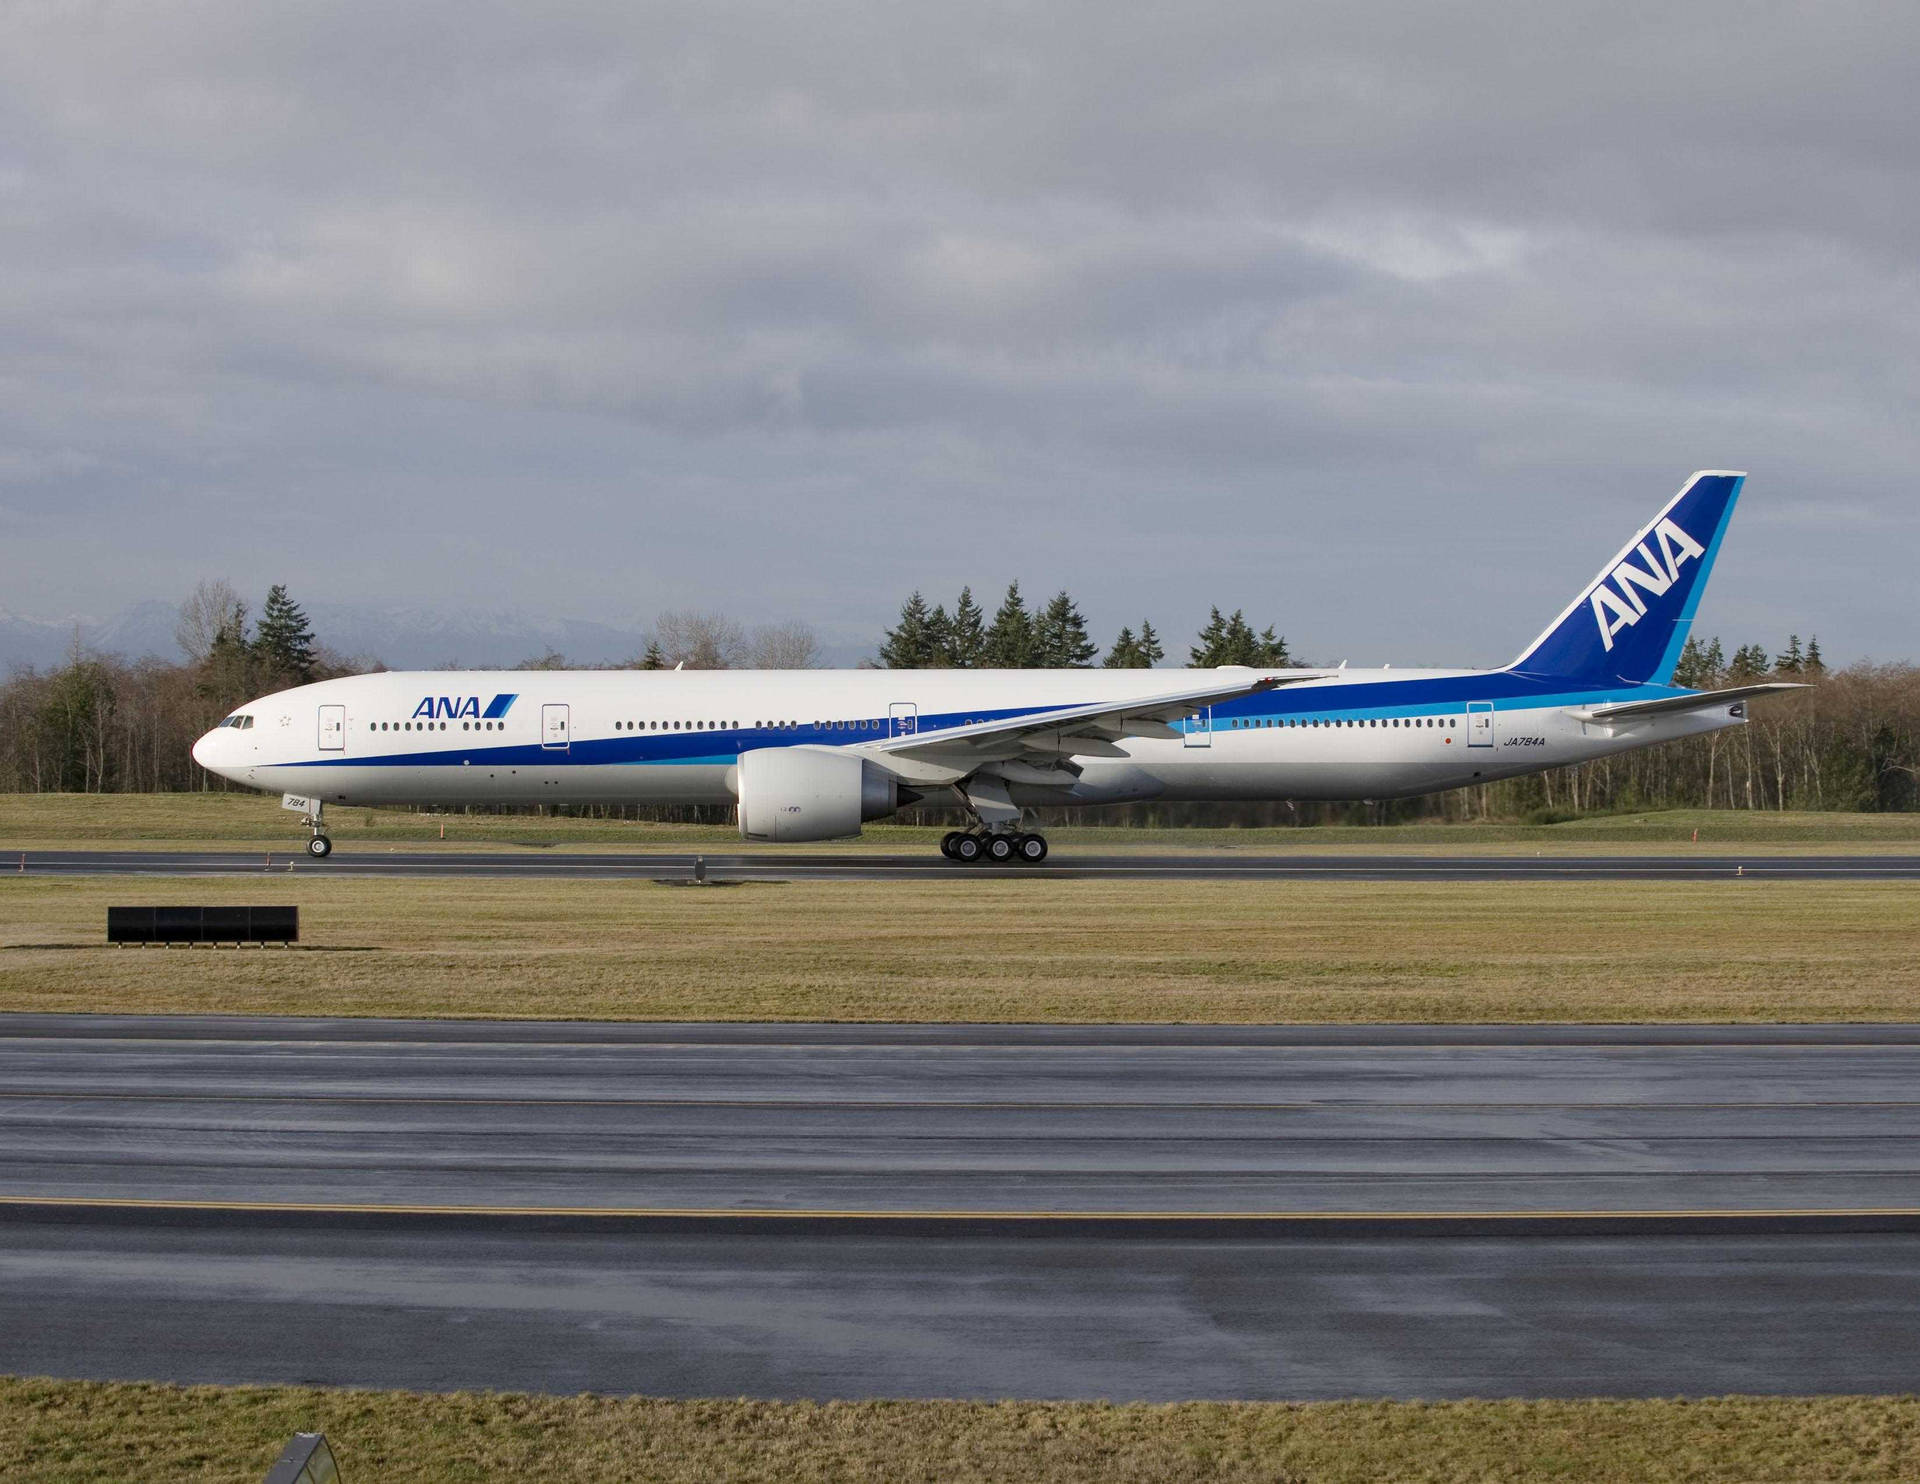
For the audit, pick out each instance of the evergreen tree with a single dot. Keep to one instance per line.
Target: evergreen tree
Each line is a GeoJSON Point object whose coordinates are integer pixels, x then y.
{"type": "Point", "coordinates": [939, 638]}
{"type": "Point", "coordinates": [966, 633]}
{"type": "Point", "coordinates": [1009, 641]}
{"type": "Point", "coordinates": [1815, 665]}
{"type": "Point", "coordinates": [234, 670]}
{"type": "Point", "coordinates": [1232, 641]}
{"type": "Point", "coordinates": [1211, 643]}
{"type": "Point", "coordinates": [907, 645]}
{"type": "Point", "coordinates": [1750, 662]}
{"type": "Point", "coordinates": [75, 719]}
{"type": "Point", "coordinates": [653, 659]}
{"type": "Point", "coordinates": [1131, 652]}
{"type": "Point", "coordinates": [1700, 665]}
{"type": "Point", "coordinates": [283, 638]}
{"type": "Point", "coordinates": [1791, 660]}
{"type": "Point", "coordinates": [230, 639]}
{"type": "Point", "coordinates": [1060, 639]}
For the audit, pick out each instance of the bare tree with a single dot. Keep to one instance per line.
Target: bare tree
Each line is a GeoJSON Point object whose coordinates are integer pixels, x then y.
{"type": "Point", "coordinates": [213, 607]}
{"type": "Point", "coordinates": [782, 646]}
{"type": "Point", "coordinates": [700, 641]}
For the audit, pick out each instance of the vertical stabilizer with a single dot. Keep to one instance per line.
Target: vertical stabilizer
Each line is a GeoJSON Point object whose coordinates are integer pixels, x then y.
{"type": "Point", "coordinates": [1628, 624]}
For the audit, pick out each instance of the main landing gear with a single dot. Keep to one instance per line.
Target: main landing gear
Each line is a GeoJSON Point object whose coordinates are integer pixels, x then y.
{"type": "Point", "coordinates": [999, 847]}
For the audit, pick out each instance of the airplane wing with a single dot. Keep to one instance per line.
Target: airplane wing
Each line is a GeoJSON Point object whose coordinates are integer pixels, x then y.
{"type": "Point", "coordinates": [1674, 705]}
{"type": "Point", "coordinates": [1090, 730]}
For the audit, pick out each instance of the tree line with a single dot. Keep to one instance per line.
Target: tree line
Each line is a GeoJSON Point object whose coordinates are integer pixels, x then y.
{"type": "Point", "coordinates": [1054, 637]}
{"type": "Point", "coordinates": [105, 724]}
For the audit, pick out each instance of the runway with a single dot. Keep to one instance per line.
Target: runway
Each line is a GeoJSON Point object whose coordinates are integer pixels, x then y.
{"type": "Point", "coordinates": [1065, 864]}
{"type": "Point", "coordinates": [1146, 1212]}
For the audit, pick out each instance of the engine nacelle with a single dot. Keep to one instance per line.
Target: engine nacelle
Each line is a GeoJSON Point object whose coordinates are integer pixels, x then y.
{"type": "Point", "coordinates": [810, 793]}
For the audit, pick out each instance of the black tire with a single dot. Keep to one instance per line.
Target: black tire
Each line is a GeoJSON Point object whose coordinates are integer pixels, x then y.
{"type": "Point", "coordinates": [947, 842]}
{"type": "Point", "coordinates": [1032, 849]}
{"type": "Point", "coordinates": [319, 847]}
{"type": "Point", "coordinates": [1000, 849]}
{"type": "Point", "coordinates": [967, 849]}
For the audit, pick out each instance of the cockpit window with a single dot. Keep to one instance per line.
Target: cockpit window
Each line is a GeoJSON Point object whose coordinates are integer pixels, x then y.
{"type": "Point", "coordinates": [242, 722]}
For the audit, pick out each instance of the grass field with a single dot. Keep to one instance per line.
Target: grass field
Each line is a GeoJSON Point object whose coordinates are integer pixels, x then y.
{"type": "Point", "coordinates": [1020, 949]}
{"type": "Point", "coordinates": [72, 1431]}
{"type": "Point", "coordinates": [161, 821]}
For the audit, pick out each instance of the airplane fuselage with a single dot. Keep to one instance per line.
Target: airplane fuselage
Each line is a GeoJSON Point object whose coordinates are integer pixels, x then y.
{"type": "Point", "coordinates": [675, 737]}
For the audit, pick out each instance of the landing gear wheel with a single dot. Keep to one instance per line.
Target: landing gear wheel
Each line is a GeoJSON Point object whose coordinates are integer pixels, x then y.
{"type": "Point", "coordinates": [1000, 849]}
{"type": "Point", "coordinates": [947, 843]}
{"type": "Point", "coordinates": [1032, 848]}
{"type": "Point", "coordinates": [966, 849]}
{"type": "Point", "coordinates": [319, 847]}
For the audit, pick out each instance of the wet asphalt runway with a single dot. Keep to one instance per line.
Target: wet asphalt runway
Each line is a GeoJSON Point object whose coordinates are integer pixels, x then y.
{"type": "Point", "coordinates": [962, 1210]}
{"type": "Point", "coordinates": [1067, 862]}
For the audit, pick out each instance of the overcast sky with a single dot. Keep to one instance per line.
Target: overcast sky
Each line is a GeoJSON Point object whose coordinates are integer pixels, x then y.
{"type": "Point", "coordinates": [1387, 323]}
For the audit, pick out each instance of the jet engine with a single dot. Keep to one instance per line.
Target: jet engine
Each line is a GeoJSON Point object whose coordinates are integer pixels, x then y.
{"type": "Point", "coordinates": [811, 793]}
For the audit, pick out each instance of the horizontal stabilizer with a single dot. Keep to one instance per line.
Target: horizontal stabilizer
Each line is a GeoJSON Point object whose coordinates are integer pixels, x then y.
{"type": "Point", "coordinates": [1675, 705]}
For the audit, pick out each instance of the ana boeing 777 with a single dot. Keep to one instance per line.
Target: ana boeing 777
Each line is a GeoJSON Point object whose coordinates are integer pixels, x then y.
{"type": "Point", "coordinates": [814, 754]}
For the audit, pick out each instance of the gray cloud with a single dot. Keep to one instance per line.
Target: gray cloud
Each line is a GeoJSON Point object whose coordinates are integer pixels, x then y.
{"type": "Point", "coordinates": [1385, 322]}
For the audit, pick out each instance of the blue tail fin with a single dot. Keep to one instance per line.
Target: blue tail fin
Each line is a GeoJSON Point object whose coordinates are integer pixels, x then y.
{"type": "Point", "coordinates": [1628, 623]}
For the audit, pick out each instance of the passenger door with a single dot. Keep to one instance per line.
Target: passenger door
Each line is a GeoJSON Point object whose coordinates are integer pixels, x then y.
{"type": "Point", "coordinates": [553, 726]}
{"type": "Point", "coordinates": [1479, 723]}
{"type": "Point", "coordinates": [1199, 727]}
{"type": "Point", "coordinates": [333, 728]}
{"type": "Point", "coordinates": [905, 717]}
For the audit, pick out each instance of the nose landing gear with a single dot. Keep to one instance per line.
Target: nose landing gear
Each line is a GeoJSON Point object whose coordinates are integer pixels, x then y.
{"type": "Point", "coordinates": [319, 847]}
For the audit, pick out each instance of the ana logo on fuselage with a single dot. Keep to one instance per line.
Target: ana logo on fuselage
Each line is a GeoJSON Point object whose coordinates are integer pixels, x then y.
{"type": "Point", "coordinates": [453, 708]}
{"type": "Point", "coordinates": [1655, 576]}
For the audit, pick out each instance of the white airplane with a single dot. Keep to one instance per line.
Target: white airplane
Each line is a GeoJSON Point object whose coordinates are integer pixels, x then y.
{"type": "Point", "coordinates": [813, 754]}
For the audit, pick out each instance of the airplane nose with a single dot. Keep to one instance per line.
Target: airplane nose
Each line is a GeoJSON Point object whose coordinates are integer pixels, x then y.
{"type": "Point", "coordinates": [203, 752]}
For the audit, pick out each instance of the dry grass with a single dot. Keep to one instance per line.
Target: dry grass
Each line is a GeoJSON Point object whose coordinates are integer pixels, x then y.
{"type": "Point", "coordinates": [72, 1431]}
{"type": "Point", "coordinates": [1021, 949]}
{"type": "Point", "coordinates": [234, 820]}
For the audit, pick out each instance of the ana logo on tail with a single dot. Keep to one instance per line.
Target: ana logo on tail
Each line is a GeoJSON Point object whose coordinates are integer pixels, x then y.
{"type": "Point", "coordinates": [1623, 599]}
